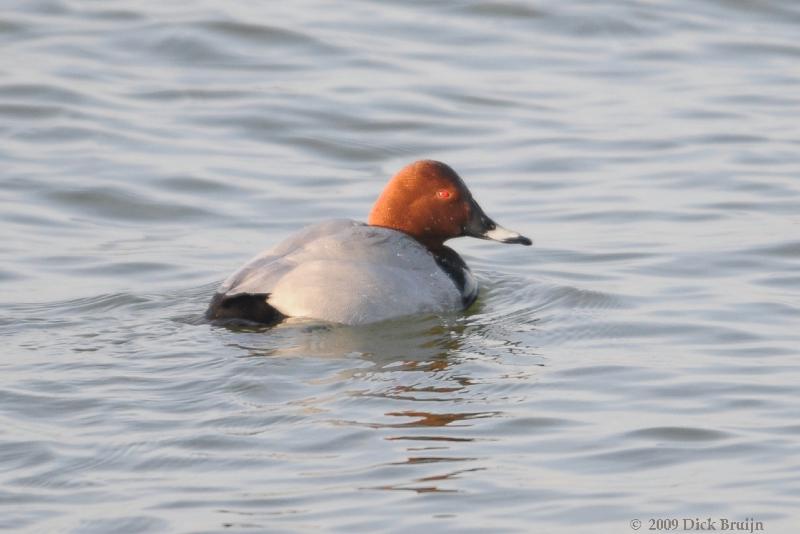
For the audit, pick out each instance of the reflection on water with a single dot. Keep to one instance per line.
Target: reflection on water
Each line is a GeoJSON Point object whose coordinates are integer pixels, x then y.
{"type": "Point", "coordinates": [639, 361]}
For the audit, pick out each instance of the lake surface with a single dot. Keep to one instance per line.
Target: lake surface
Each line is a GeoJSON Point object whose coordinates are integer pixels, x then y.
{"type": "Point", "coordinates": [641, 361]}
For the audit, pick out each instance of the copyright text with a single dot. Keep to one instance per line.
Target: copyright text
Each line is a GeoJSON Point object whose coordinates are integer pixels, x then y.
{"type": "Point", "coordinates": [697, 524]}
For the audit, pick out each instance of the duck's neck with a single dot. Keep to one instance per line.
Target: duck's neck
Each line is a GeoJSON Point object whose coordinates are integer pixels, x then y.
{"type": "Point", "coordinates": [432, 243]}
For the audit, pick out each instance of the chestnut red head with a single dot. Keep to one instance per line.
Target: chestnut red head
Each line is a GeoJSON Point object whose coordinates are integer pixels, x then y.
{"type": "Point", "coordinates": [429, 201]}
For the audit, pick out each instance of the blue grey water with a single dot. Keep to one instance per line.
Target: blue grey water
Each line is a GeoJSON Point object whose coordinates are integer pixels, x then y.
{"type": "Point", "coordinates": [640, 361]}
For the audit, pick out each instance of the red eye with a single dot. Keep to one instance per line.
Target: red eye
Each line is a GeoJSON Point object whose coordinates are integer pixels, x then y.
{"type": "Point", "coordinates": [443, 194]}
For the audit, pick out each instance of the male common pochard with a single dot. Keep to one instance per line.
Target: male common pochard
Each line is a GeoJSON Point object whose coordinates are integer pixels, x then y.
{"type": "Point", "coordinates": [349, 272]}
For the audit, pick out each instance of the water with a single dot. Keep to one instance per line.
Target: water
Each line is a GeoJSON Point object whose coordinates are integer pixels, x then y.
{"type": "Point", "coordinates": [639, 362]}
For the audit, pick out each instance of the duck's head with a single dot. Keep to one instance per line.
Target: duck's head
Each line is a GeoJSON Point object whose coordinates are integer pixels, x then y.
{"type": "Point", "coordinates": [428, 201]}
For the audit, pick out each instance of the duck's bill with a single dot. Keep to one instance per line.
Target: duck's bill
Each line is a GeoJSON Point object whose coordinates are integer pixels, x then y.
{"type": "Point", "coordinates": [483, 227]}
{"type": "Point", "coordinates": [504, 235]}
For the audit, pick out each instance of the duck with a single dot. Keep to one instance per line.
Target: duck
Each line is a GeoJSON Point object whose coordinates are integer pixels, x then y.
{"type": "Point", "coordinates": [353, 273]}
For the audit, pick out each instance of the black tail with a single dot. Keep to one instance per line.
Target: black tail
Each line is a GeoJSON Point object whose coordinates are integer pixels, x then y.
{"type": "Point", "coordinates": [244, 306]}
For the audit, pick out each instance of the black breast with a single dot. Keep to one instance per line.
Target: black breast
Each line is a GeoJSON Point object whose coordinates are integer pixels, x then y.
{"type": "Point", "coordinates": [244, 306]}
{"type": "Point", "coordinates": [456, 268]}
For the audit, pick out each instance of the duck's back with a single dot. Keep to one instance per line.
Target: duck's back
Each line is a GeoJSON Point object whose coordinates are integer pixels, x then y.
{"type": "Point", "coordinates": [340, 271]}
